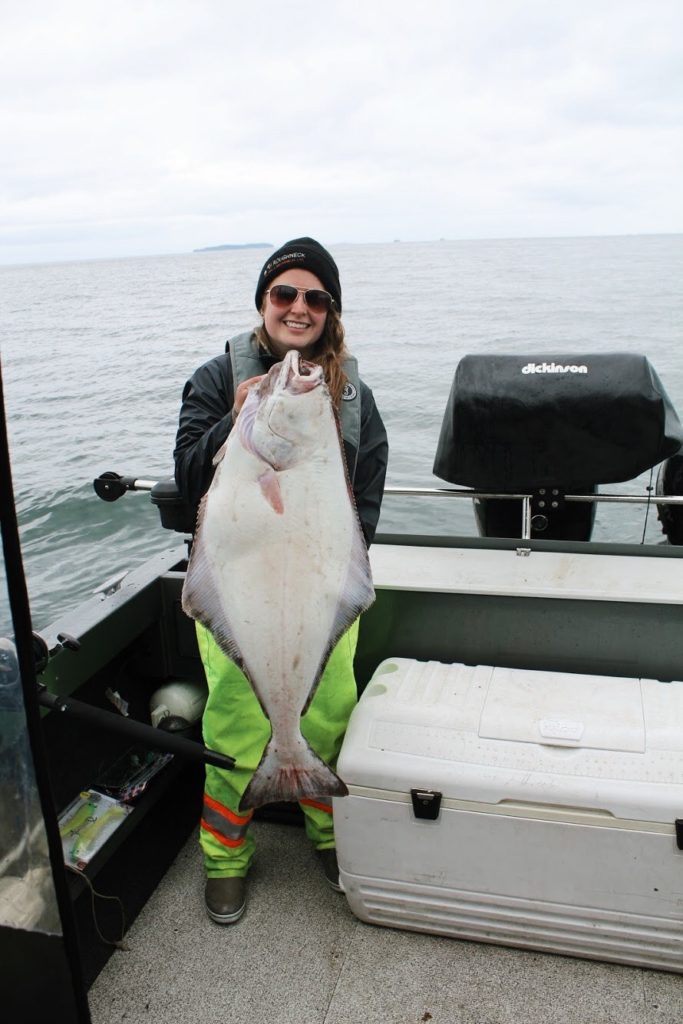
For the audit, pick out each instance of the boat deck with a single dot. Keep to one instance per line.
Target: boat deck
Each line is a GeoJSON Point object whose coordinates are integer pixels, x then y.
{"type": "Point", "coordinates": [299, 955]}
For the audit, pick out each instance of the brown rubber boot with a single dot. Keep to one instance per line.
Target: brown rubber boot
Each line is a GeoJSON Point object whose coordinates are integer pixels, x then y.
{"type": "Point", "coordinates": [328, 859]}
{"type": "Point", "coordinates": [225, 899]}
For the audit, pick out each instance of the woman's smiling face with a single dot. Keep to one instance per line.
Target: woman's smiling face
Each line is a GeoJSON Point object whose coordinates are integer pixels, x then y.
{"type": "Point", "coordinates": [296, 326]}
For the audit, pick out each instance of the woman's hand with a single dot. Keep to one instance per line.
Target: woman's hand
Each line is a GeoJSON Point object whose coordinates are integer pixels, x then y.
{"type": "Point", "coordinates": [241, 394]}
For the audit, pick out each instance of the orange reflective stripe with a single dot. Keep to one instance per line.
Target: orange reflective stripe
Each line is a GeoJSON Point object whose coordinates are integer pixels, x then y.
{"type": "Point", "coordinates": [235, 819]}
{"type": "Point", "coordinates": [223, 824]}
{"type": "Point", "coordinates": [318, 805]}
{"type": "Point", "coordinates": [221, 838]}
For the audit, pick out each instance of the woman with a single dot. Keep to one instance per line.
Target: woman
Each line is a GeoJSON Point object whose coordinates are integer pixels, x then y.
{"type": "Point", "coordinates": [298, 296]}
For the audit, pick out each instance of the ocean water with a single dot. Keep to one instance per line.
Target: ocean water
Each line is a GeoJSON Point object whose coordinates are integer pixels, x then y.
{"type": "Point", "coordinates": [95, 355]}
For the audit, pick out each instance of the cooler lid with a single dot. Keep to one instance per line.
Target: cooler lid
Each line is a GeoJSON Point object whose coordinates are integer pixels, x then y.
{"type": "Point", "coordinates": [494, 735]}
{"type": "Point", "coordinates": [562, 709]}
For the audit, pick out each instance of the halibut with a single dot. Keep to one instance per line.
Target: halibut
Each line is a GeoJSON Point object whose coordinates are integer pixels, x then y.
{"type": "Point", "coordinates": [279, 567]}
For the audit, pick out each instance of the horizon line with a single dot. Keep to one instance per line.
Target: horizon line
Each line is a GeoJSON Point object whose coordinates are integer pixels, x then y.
{"type": "Point", "coordinates": [237, 246]}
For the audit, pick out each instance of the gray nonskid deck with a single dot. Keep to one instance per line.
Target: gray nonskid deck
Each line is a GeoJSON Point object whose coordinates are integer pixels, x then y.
{"type": "Point", "coordinates": [299, 955]}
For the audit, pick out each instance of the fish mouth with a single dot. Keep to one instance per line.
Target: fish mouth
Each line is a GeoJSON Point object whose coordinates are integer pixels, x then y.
{"type": "Point", "coordinates": [293, 376]}
{"type": "Point", "coordinates": [298, 375]}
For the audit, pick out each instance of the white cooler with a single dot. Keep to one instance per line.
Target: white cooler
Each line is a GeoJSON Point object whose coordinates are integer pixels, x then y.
{"type": "Point", "coordinates": [541, 810]}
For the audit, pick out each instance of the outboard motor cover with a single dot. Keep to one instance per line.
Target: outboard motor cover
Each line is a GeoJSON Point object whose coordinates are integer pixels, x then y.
{"type": "Point", "coordinates": [517, 423]}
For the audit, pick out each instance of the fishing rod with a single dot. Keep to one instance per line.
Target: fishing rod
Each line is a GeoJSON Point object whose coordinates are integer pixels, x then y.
{"type": "Point", "coordinates": [150, 735]}
{"type": "Point", "coordinates": [153, 736]}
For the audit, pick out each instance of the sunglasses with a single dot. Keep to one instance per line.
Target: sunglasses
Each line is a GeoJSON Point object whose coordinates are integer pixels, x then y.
{"type": "Point", "coordinates": [283, 295]}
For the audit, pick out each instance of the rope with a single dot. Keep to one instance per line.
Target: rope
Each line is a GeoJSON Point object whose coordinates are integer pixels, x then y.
{"type": "Point", "coordinates": [94, 894]}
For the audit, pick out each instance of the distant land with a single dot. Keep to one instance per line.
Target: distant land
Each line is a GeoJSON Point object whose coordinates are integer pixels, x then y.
{"type": "Point", "coordinates": [243, 245]}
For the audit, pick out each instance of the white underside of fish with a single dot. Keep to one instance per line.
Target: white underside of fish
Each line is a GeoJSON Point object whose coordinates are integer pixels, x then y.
{"type": "Point", "coordinates": [279, 571]}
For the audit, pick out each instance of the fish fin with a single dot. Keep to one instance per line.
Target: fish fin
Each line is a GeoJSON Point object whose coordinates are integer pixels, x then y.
{"type": "Point", "coordinates": [247, 419]}
{"type": "Point", "coordinates": [201, 598]}
{"type": "Point", "coordinates": [218, 457]}
{"type": "Point", "coordinates": [356, 596]}
{"type": "Point", "coordinates": [270, 488]}
{"type": "Point", "coordinates": [273, 782]}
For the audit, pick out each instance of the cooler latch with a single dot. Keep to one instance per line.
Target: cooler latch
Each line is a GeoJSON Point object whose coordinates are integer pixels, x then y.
{"type": "Point", "coordinates": [426, 803]}
{"type": "Point", "coordinates": [679, 833]}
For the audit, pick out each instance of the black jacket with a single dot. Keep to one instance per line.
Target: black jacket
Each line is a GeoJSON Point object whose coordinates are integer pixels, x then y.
{"type": "Point", "coordinates": [206, 420]}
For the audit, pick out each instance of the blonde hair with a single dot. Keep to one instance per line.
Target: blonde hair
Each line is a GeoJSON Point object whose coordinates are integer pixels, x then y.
{"type": "Point", "coordinates": [329, 352]}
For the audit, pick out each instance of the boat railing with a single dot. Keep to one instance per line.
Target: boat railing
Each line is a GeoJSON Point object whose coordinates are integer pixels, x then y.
{"type": "Point", "coordinates": [549, 501]}
{"type": "Point", "coordinates": [110, 486]}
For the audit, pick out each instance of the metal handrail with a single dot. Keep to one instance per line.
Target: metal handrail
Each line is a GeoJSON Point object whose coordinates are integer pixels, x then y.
{"type": "Point", "coordinates": [526, 499]}
{"type": "Point", "coordinates": [111, 486]}
{"type": "Point", "coordinates": [453, 492]}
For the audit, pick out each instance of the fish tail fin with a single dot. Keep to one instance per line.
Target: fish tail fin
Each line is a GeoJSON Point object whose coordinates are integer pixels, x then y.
{"type": "Point", "coordinates": [307, 776]}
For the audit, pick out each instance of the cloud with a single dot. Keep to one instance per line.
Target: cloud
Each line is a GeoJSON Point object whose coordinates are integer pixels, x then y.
{"type": "Point", "coordinates": [149, 128]}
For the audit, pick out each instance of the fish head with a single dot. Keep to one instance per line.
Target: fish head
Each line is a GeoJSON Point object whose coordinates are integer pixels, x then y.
{"type": "Point", "coordinates": [280, 420]}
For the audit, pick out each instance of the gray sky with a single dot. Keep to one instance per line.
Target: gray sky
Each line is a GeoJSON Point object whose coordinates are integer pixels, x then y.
{"type": "Point", "coordinates": [156, 127]}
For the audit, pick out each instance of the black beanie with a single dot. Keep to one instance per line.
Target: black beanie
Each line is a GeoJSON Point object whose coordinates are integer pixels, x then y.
{"type": "Point", "coordinates": [305, 253]}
